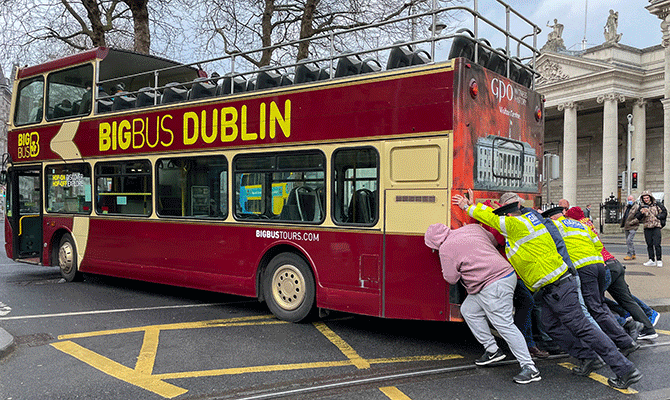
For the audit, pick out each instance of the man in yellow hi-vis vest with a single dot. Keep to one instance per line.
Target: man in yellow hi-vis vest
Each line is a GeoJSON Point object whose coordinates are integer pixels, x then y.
{"type": "Point", "coordinates": [584, 246]}
{"type": "Point", "coordinates": [532, 252]}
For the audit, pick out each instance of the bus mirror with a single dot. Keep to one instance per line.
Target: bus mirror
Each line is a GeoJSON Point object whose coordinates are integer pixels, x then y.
{"type": "Point", "coordinates": [3, 177]}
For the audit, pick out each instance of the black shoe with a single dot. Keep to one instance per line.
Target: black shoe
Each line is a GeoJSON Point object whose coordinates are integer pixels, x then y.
{"type": "Point", "coordinates": [627, 350]}
{"type": "Point", "coordinates": [633, 328]}
{"type": "Point", "coordinates": [622, 382]}
{"type": "Point", "coordinates": [490, 358]}
{"type": "Point", "coordinates": [648, 334]}
{"type": "Point", "coordinates": [588, 365]}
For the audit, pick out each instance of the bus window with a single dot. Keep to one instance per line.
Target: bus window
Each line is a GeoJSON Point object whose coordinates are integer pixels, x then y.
{"type": "Point", "coordinates": [68, 188]}
{"type": "Point", "coordinates": [29, 102]}
{"type": "Point", "coordinates": [356, 186]}
{"type": "Point", "coordinates": [69, 92]}
{"type": "Point", "coordinates": [192, 187]}
{"type": "Point", "coordinates": [123, 187]}
{"type": "Point", "coordinates": [284, 186]}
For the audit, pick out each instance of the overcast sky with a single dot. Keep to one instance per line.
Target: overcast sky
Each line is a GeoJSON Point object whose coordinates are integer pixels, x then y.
{"type": "Point", "coordinates": [640, 28]}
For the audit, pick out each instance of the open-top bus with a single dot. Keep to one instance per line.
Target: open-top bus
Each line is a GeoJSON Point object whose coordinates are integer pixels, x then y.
{"type": "Point", "coordinates": [308, 186]}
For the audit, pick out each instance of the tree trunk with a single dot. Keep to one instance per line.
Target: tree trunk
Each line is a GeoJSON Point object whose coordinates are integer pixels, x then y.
{"type": "Point", "coordinates": [141, 24]}
{"type": "Point", "coordinates": [97, 32]}
{"type": "Point", "coordinates": [306, 29]}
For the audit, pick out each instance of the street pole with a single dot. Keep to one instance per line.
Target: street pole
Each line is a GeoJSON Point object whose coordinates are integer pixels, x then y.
{"type": "Point", "coordinates": [631, 128]}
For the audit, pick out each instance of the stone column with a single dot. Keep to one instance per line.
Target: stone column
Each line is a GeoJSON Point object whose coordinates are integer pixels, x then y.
{"type": "Point", "coordinates": [639, 147]}
{"type": "Point", "coordinates": [569, 150]}
{"type": "Point", "coordinates": [610, 141]}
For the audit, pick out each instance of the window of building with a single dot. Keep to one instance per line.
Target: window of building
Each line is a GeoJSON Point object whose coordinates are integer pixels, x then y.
{"type": "Point", "coordinates": [356, 186]}
{"type": "Point", "coordinates": [29, 102]}
{"type": "Point", "coordinates": [192, 187]}
{"type": "Point", "coordinates": [123, 187]}
{"type": "Point", "coordinates": [281, 186]}
{"type": "Point", "coordinates": [68, 188]}
{"type": "Point", "coordinates": [69, 92]}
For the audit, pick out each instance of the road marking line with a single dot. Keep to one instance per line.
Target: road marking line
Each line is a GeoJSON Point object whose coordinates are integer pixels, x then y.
{"type": "Point", "coordinates": [216, 323]}
{"type": "Point", "coordinates": [76, 313]}
{"type": "Point", "coordinates": [297, 366]}
{"type": "Point", "coordinates": [599, 378]}
{"type": "Point", "coordinates": [662, 332]}
{"type": "Point", "coordinates": [344, 347]}
{"type": "Point", "coordinates": [118, 371]}
{"type": "Point", "coordinates": [394, 393]}
{"type": "Point", "coordinates": [147, 357]}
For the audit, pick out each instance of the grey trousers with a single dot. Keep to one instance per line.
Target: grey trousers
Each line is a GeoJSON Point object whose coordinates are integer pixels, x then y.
{"type": "Point", "coordinates": [494, 303]}
{"type": "Point", "coordinates": [629, 241]}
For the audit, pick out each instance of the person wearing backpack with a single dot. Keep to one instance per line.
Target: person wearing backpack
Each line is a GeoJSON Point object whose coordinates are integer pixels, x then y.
{"type": "Point", "coordinates": [652, 216]}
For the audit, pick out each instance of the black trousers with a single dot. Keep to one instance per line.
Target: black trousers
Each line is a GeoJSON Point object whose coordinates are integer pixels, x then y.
{"type": "Point", "coordinates": [566, 323]}
{"type": "Point", "coordinates": [620, 292]}
{"type": "Point", "coordinates": [653, 238]}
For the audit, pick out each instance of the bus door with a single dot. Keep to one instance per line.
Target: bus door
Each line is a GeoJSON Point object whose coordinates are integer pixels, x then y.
{"type": "Point", "coordinates": [25, 213]}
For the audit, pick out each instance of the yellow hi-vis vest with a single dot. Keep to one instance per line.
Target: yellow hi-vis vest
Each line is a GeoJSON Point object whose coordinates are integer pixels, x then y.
{"type": "Point", "coordinates": [529, 246]}
{"type": "Point", "coordinates": [583, 245]}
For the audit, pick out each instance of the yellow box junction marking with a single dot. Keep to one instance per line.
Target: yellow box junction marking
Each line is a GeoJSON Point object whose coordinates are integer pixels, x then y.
{"type": "Point", "coordinates": [142, 376]}
{"type": "Point", "coordinates": [599, 378]}
{"type": "Point", "coordinates": [394, 393]}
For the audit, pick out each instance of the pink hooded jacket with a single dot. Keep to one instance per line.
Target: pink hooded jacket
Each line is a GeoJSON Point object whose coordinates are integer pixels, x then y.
{"type": "Point", "coordinates": [469, 254]}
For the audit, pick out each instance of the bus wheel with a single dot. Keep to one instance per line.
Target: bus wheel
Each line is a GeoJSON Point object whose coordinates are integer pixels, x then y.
{"type": "Point", "coordinates": [67, 259]}
{"type": "Point", "coordinates": [289, 288]}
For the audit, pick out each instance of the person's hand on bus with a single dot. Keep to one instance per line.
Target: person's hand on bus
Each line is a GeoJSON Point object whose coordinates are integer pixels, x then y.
{"type": "Point", "coordinates": [462, 201]}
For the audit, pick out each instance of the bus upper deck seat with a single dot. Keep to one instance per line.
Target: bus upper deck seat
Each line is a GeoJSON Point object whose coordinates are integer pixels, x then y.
{"type": "Point", "coordinates": [370, 65]}
{"type": "Point", "coordinates": [463, 45]}
{"type": "Point", "coordinates": [251, 85]}
{"type": "Point", "coordinates": [123, 101]}
{"type": "Point", "coordinates": [301, 205]}
{"type": "Point", "coordinates": [420, 56]}
{"type": "Point", "coordinates": [267, 79]}
{"type": "Point", "coordinates": [324, 74]}
{"type": "Point", "coordinates": [306, 71]}
{"type": "Point", "coordinates": [63, 109]}
{"type": "Point", "coordinates": [483, 53]}
{"type": "Point", "coordinates": [348, 64]}
{"type": "Point", "coordinates": [498, 63]}
{"type": "Point", "coordinates": [104, 105]}
{"type": "Point", "coordinates": [202, 88]}
{"type": "Point", "coordinates": [173, 92]}
{"type": "Point", "coordinates": [525, 77]}
{"type": "Point", "coordinates": [361, 207]}
{"type": "Point", "coordinates": [400, 56]}
{"type": "Point", "coordinates": [147, 97]}
{"type": "Point", "coordinates": [286, 79]}
{"type": "Point", "coordinates": [238, 84]}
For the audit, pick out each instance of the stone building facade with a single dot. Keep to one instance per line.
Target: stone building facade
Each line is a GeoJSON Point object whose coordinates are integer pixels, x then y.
{"type": "Point", "coordinates": [5, 101]}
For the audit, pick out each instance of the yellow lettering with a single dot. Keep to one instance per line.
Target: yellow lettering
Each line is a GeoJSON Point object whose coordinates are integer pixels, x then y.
{"type": "Point", "coordinates": [104, 139]}
{"type": "Point", "coordinates": [191, 116]}
{"type": "Point", "coordinates": [124, 134]}
{"type": "Point", "coordinates": [261, 123]}
{"type": "Point", "coordinates": [166, 130]}
{"type": "Point", "coordinates": [245, 135]}
{"type": "Point", "coordinates": [138, 132]}
{"type": "Point", "coordinates": [203, 128]}
{"type": "Point", "coordinates": [157, 132]}
{"type": "Point", "coordinates": [277, 118]}
{"type": "Point", "coordinates": [228, 123]}
{"type": "Point", "coordinates": [114, 135]}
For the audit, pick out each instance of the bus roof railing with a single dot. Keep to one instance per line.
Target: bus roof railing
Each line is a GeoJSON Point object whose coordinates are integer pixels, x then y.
{"type": "Point", "coordinates": [235, 60]}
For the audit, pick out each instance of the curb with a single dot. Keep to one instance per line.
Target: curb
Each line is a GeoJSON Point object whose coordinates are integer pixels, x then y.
{"type": "Point", "coordinates": [6, 343]}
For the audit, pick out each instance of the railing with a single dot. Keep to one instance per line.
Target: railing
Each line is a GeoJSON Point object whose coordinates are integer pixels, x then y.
{"type": "Point", "coordinates": [241, 75]}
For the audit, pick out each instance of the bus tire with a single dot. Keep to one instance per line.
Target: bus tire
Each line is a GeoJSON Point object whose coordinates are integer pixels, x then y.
{"type": "Point", "coordinates": [67, 259]}
{"type": "Point", "coordinates": [289, 288]}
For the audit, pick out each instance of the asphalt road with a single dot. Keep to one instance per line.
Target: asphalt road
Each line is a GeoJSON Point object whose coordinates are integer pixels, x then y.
{"type": "Point", "coordinates": [108, 338]}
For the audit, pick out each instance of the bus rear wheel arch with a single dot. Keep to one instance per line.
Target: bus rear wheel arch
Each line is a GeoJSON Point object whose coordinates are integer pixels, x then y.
{"type": "Point", "coordinates": [67, 259]}
{"type": "Point", "coordinates": [289, 289]}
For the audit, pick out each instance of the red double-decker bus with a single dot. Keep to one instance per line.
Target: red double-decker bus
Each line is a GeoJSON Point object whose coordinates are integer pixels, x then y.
{"type": "Point", "coordinates": [307, 186]}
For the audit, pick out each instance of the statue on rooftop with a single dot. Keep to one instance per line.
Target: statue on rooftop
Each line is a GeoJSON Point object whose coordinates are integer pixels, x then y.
{"type": "Point", "coordinates": [554, 39]}
{"type": "Point", "coordinates": [610, 28]}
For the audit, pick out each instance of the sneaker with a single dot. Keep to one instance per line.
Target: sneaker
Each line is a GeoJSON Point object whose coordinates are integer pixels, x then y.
{"type": "Point", "coordinates": [659, 264]}
{"type": "Point", "coordinates": [654, 317]}
{"type": "Point", "coordinates": [528, 374]}
{"type": "Point", "coordinates": [627, 350]}
{"type": "Point", "coordinates": [536, 352]}
{"type": "Point", "coordinates": [628, 258]}
{"type": "Point", "coordinates": [633, 328]}
{"type": "Point", "coordinates": [647, 334]}
{"type": "Point", "coordinates": [622, 382]}
{"type": "Point", "coordinates": [650, 263]}
{"type": "Point", "coordinates": [587, 365]}
{"type": "Point", "coordinates": [490, 358]}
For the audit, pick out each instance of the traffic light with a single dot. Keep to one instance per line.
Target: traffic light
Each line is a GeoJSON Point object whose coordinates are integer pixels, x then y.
{"type": "Point", "coordinates": [633, 180]}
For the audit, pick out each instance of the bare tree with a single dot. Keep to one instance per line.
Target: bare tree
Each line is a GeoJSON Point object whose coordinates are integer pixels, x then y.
{"type": "Point", "coordinates": [140, 13]}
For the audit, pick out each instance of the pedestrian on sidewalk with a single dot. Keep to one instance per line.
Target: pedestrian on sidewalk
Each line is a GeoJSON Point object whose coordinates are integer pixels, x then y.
{"type": "Point", "coordinates": [468, 254]}
{"type": "Point", "coordinates": [652, 215]}
{"type": "Point", "coordinates": [629, 224]}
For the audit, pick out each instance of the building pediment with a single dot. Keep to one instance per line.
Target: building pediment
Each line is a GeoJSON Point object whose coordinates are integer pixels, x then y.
{"type": "Point", "coordinates": [554, 67]}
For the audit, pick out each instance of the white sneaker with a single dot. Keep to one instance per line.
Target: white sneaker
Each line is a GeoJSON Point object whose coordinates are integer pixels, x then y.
{"type": "Point", "coordinates": [650, 263]}
{"type": "Point", "coordinates": [659, 263]}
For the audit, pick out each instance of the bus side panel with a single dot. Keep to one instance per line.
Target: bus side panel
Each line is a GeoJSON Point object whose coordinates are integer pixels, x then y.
{"type": "Point", "coordinates": [9, 239]}
{"type": "Point", "coordinates": [51, 224]}
{"type": "Point", "coordinates": [415, 288]}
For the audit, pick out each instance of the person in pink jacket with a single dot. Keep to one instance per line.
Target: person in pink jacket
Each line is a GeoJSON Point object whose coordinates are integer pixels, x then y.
{"type": "Point", "coordinates": [469, 254]}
